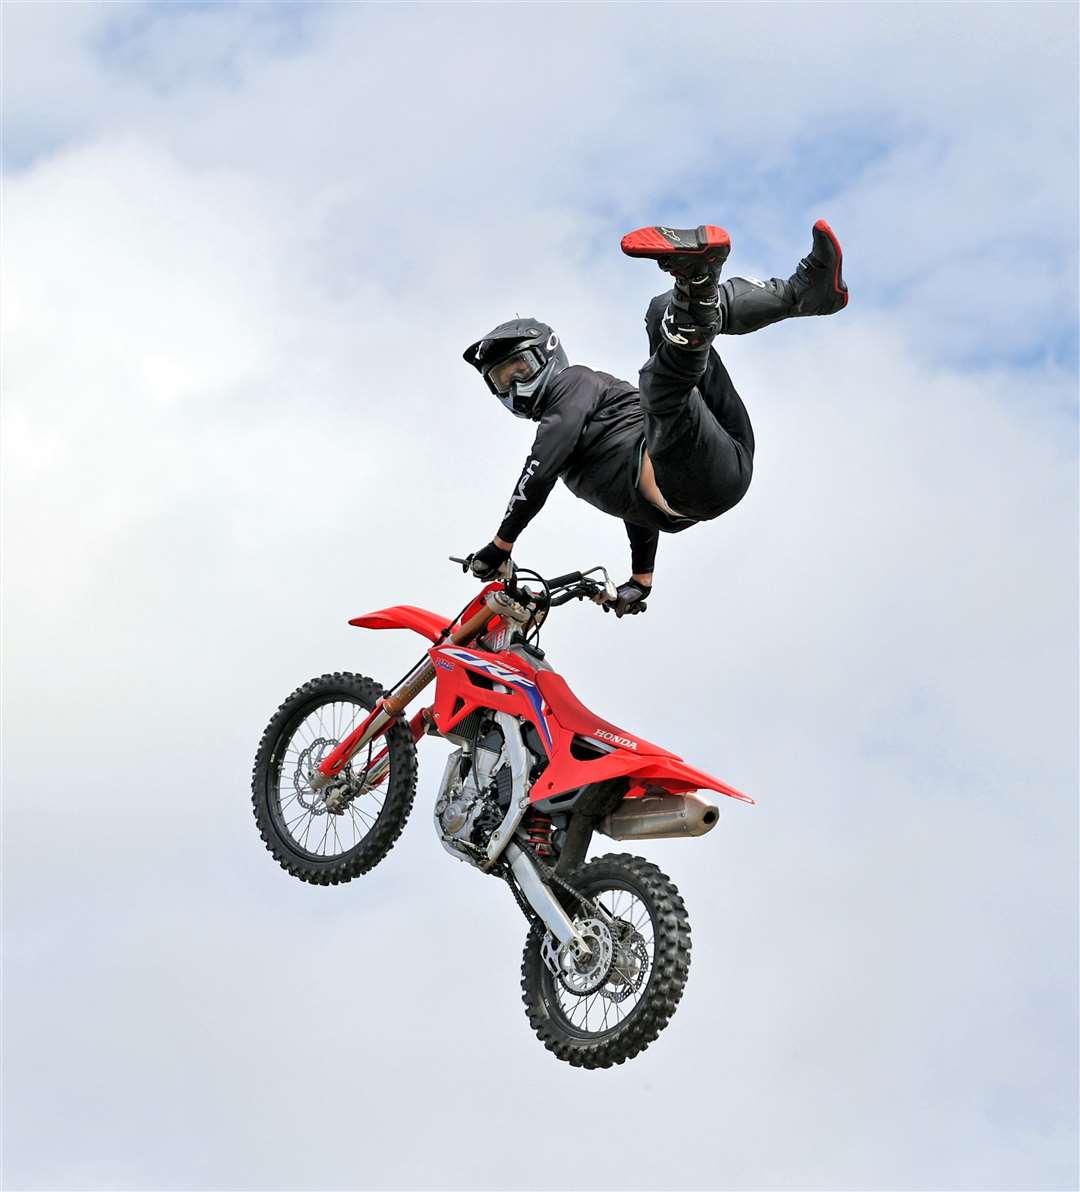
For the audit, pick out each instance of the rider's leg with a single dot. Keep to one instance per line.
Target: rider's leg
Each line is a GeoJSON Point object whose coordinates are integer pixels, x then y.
{"type": "Point", "coordinates": [715, 385]}
{"type": "Point", "coordinates": [699, 451]}
{"type": "Point", "coordinates": [702, 466]}
{"type": "Point", "coordinates": [815, 288]}
{"type": "Point", "coordinates": [746, 304]}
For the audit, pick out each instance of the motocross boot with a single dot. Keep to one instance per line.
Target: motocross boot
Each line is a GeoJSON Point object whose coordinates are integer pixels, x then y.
{"type": "Point", "coordinates": [694, 258]}
{"type": "Point", "coordinates": [815, 288]}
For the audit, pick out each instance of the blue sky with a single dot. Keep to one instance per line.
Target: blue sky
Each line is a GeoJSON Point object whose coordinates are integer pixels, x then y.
{"type": "Point", "coordinates": [244, 247]}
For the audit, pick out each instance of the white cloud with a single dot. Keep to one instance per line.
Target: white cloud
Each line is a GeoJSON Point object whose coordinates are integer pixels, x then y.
{"type": "Point", "coordinates": [235, 415]}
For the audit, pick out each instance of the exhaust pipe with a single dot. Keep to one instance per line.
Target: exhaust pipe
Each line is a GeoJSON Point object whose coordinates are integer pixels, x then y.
{"type": "Point", "coordinates": [659, 817]}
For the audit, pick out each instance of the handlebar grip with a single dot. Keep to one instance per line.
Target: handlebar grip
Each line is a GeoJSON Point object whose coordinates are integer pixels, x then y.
{"type": "Point", "coordinates": [561, 580]}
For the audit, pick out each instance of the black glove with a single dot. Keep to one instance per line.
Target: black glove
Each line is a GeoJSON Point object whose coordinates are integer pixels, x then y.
{"type": "Point", "coordinates": [487, 561]}
{"type": "Point", "coordinates": [631, 599]}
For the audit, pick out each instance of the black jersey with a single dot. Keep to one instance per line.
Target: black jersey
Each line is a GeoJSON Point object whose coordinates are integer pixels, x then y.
{"type": "Point", "coordinates": [592, 435]}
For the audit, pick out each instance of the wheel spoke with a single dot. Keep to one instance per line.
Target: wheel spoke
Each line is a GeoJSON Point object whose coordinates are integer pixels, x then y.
{"type": "Point", "coordinates": [629, 970]}
{"type": "Point", "coordinates": [312, 738]}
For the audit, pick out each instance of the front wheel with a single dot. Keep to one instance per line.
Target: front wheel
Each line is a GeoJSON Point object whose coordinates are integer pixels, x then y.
{"type": "Point", "coordinates": [605, 1008]}
{"type": "Point", "coordinates": [337, 833]}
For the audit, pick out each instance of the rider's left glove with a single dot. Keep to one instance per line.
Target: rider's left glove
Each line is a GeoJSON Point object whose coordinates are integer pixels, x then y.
{"type": "Point", "coordinates": [631, 599]}
{"type": "Point", "coordinates": [487, 561]}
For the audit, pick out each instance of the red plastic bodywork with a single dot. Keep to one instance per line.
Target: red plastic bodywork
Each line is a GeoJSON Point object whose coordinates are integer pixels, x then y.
{"type": "Point", "coordinates": [404, 616]}
{"type": "Point", "coordinates": [464, 678]}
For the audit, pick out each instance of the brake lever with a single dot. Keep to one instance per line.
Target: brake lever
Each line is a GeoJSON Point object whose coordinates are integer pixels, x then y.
{"type": "Point", "coordinates": [605, 593]}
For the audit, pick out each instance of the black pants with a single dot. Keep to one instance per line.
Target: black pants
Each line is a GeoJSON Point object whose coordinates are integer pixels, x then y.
{"type": "Point", "coordinates": [697, 430]}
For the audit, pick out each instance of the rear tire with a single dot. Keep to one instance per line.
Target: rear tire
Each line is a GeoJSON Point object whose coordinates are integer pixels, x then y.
{"type": "Point", "coordinates": [268, 793]}
{"type": "Point", "coordinates": [551, 1009]}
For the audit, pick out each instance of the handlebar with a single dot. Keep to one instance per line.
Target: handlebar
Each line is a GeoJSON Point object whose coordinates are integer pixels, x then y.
{"type": "Point", "coordinates": [574, 585]}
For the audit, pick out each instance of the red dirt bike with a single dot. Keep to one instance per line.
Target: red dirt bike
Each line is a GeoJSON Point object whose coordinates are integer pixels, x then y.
{"type": "Point", "coordinates": [534, 774]}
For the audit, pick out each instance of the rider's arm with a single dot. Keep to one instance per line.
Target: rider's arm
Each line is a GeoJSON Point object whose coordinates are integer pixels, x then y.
{"type": "Point", "coordinates": [560, 427]}
{"type": "Point", "coordinates": [643, 541]}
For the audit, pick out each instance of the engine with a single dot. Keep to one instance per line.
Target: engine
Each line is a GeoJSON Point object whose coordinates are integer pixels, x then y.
{"type": "Point", "coordinates": [476, 790]}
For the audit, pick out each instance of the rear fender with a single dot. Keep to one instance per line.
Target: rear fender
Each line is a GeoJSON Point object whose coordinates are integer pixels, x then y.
{"type": "Point", "coordinates": [642, 771]}
{"type": "Point", "coordinates": [679, 778]}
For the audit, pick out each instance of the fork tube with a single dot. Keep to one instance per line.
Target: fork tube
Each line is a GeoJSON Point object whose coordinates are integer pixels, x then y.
{"type": "Point", "coordinates": [475, 623]}
{"type": "Point", "coordinates": [409, 688]}
{"type": "Point", "coordinates": [424, 671]}
{"type": "Point", "coordinates": [393, 703]}
{"type": "Point", "coordinates": [379, 766]}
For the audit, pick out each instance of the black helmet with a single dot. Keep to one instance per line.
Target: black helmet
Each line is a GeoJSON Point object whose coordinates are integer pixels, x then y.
{"type": "Point", "coordinates": [518, 359]}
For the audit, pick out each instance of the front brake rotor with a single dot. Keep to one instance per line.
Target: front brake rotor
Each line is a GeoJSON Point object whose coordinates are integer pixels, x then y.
{"type": "Point", "coordinates": [307, 763]}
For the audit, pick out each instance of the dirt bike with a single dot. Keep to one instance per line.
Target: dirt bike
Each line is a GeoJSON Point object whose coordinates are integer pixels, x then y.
{"type": "Point", "coordinates": [533, 775]}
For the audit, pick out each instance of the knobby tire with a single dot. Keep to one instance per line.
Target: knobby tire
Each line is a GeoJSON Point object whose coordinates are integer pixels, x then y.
{"type": "Point", "coordinates": [397, 803]}
{"type": "Point", "coordinates": [669, 968]}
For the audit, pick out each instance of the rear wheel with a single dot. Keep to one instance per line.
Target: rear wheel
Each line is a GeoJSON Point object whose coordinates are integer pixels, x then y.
{"type": "Point", "coordinates": [609, 1006]}
{"type": "Point", "coordinates": [341, 831]}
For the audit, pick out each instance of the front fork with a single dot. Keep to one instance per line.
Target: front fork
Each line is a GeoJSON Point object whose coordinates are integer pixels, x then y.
{"type": "Point", "coordinates": [379, 766]}
{"type": "Point", "coordinates": [394, 702]}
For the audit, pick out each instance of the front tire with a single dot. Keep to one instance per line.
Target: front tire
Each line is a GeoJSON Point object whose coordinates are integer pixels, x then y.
{"type": "Point", "coordinates": [355, 838]}
{"type": "Point", "coordinates": [590, 1027]}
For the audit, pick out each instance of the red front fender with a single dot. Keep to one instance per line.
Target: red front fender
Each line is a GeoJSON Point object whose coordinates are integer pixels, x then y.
{"type": "Point", "coordinates": [404, 616]}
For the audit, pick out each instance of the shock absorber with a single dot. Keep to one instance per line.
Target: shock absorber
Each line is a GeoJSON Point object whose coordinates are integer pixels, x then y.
{"type": "Point", "coordinates": [538, 833]}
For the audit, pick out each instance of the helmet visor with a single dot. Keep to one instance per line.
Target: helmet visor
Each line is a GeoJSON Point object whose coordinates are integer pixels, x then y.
{"type": "Point", "coordinates": [520, 366]}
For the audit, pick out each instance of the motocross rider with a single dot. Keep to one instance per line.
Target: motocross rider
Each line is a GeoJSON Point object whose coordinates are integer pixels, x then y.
{"type": "Point", "coordinates": [679, 448]}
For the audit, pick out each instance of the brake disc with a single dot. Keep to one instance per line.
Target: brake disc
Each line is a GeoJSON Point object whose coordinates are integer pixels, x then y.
{"type": "Point", "coordinates": [306, 764]}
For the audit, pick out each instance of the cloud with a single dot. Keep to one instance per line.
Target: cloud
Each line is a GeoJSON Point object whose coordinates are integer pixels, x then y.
{"type": "Point", "coordinates": [241, 262]}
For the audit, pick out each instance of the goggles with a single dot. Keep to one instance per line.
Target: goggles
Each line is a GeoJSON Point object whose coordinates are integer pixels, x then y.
{"type": "Point", "coordinates": [519, 366]}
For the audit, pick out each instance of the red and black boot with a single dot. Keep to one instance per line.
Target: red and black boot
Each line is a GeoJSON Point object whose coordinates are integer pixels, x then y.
{"type": "Point", "coordinates": [818, 282]}
{"type": "Point", "coordinates": [684, 253]}
{"type": "Point", "coordinates": [694, 258]}
{"type": "Point", "coordinates": [815, 288]}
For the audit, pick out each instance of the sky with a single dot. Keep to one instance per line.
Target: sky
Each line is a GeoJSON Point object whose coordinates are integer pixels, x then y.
{"type": "Point", "coordinates": [244, 247]}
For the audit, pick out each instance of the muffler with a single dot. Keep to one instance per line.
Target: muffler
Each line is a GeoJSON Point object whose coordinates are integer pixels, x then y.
{"type": "Point", "coordinates": [662, 816]}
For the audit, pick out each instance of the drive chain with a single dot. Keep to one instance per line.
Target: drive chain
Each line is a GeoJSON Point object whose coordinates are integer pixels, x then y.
{"type": "Point", "coordinates": [549, 875]}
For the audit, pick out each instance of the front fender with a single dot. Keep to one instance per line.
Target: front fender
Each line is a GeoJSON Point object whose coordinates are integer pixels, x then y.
{"type": "Point", "coordinates": [404, 616]}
